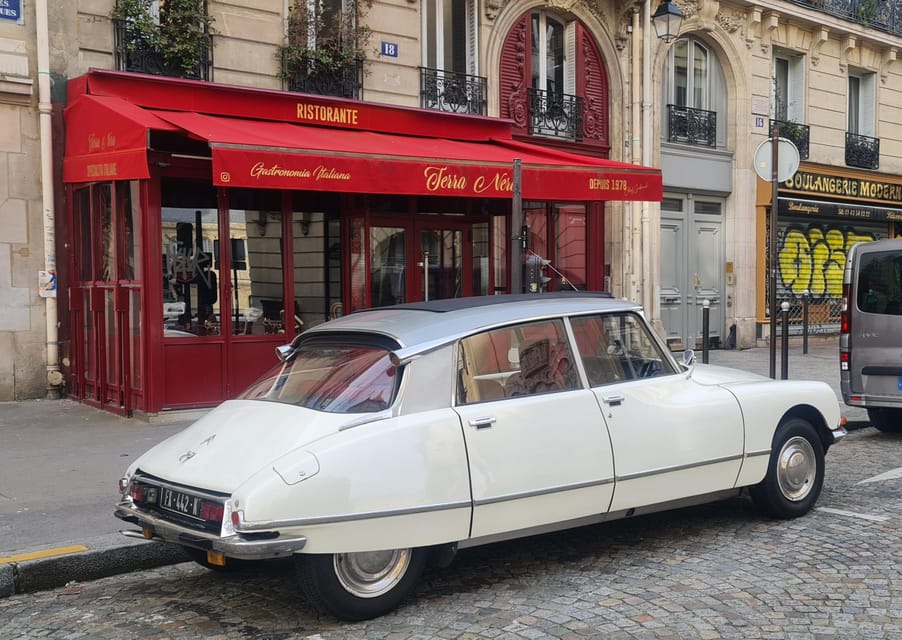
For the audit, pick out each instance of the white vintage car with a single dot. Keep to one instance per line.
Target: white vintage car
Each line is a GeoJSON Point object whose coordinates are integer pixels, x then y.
{"type": "Point", "coordinates": [392, 437]}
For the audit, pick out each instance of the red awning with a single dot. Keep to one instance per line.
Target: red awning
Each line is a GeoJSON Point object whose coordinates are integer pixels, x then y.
{"type": "Point", "coordinates": [249, 153]}
{"type": "Point", "coordinates": [106, 139]}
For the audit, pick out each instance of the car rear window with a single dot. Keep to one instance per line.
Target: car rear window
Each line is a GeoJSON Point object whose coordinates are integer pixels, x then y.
{"type": "Point", "coordinates": [331, 377]}
{"type": "Point", "coordinates": [880, 283]}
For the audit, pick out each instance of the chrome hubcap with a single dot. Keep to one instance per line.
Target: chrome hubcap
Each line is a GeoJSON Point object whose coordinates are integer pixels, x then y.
{"type": "Point", "coordinates": [796, 468]}
{"type": "Point", "coordinates": [372, 573]}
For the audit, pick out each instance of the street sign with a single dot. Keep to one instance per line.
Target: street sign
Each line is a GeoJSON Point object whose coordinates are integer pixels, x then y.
{"type": "Point", "coordinates": [787, 160]}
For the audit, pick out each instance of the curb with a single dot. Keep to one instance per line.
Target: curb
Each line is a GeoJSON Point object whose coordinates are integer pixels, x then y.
{"type": "Point", "coordinates": [49, 573]}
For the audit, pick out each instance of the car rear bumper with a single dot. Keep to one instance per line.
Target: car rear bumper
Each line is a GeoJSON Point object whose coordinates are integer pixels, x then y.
{"type": "Point", "coordinates": [243, 546]}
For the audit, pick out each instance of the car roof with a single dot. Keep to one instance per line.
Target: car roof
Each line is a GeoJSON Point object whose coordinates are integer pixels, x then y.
{"type": "Point", "coordinates": [437, 321]}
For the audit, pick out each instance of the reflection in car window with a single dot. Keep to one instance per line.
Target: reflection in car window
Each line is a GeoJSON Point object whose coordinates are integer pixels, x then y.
{"type": "Point", "coordinates": [616, 347]}
{"type": "Point", "coordinates": [523, 359]}
{"type": "Point", "coordinates": [332, 378]}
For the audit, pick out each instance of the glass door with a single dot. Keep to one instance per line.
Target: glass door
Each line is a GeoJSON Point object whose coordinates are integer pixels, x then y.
{"type": "Point", "coordinates": [444, 265]}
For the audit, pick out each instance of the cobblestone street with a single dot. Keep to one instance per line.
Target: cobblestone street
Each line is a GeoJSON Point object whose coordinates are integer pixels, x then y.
{"type": "Point", "coordinates": [715, 571]}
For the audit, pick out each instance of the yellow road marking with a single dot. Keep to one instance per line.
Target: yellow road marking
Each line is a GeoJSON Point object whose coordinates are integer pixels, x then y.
{"type": "Point", "coordinates": [47, 553]}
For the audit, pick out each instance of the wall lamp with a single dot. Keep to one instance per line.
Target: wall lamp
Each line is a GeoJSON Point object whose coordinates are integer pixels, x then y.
{"type": "Point", "coordinates": [667, 20]}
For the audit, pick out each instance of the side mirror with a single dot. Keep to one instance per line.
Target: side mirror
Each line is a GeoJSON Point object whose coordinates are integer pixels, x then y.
{"type": "Point", "coordinates": [283, 351]}
{"type": "Point", "coordinates": [688, 358]}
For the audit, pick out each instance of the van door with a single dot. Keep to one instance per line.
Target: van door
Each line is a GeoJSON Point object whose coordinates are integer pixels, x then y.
{"type": "Point", "coordinates": [871, 332]}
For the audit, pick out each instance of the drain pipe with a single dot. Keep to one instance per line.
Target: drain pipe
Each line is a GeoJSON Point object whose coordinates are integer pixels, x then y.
{"type": "Point", "coordinates": [54, 375]}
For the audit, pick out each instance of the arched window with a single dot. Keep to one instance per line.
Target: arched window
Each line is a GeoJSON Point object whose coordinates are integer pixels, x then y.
{"type": "Point", "coordinates": [694, 95]}
{"type": "Point", "coordinates": [553, 81]}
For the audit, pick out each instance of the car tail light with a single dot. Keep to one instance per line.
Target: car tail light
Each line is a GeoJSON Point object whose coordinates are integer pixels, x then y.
{"type": "Point", "coordinates": [211, 511]}
{"type": "Point", "coordinates": [843, 360]}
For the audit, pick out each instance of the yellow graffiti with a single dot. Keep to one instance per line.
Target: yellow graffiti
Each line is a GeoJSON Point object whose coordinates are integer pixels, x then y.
{"type": "Point", "coordinates": [810, 259]}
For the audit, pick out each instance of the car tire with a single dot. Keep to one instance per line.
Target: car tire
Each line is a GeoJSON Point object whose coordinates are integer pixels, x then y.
{"type": "Point", "coordinates": [359, 586]}
{"type": "Point", "coordinates": [886, 420]}
{"type": "Point", "coordinates": [795, 472]}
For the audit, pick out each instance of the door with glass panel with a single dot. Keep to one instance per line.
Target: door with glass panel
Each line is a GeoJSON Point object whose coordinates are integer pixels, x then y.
{"type": "Point", "coordinates": [105, 297]}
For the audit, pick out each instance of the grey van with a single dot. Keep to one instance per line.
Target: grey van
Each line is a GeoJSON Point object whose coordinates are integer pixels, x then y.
{"type": "Point", "coordinates": [870, 341]}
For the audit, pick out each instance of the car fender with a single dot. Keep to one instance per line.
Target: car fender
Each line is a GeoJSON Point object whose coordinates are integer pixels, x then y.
{"type": "Point", "coordinates": [397, 482]}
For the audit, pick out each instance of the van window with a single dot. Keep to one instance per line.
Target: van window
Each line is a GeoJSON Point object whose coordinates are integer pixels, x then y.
{"type": "Point", "coordinates": [879, 283]}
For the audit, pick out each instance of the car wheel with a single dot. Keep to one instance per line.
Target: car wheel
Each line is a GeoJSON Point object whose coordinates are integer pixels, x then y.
{"type": "Point", "coordinates": [795, 473]}
{"type": "Point", "coordinates": [886, 420]}
{"type": "Point", "coordinates": [359, 586]}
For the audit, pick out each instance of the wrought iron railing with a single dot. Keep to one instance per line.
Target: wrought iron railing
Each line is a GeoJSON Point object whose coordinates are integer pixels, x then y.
{"type": "Point", "coordinates": [884, 15]}
{"type": "Point", "coordinates": [796, 133]}
{"type": "Point", "coordinates": [691, 126]}
{"type": "Point", "coordinates": [307, 74]}
{"type": "Point", "coordinates": [452, 91]}
{"type": "Point", "coordinates": [134, 53]}
{"type": "Point", "coordinates": [862, 151]}
{"type": "Point", "coordinates": [556, 114]}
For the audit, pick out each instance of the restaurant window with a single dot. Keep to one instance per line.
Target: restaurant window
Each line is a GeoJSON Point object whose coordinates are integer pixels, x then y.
{"type": "Point", "coordinates": [255, 268]}
{"type": "Point", "coordinates": [190, 234]}
{"type": "Point", "coordinates": [316, 237]}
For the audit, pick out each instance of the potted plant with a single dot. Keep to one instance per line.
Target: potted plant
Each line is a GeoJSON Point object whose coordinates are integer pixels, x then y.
{"type": "Point", "coordinates": [176, 37]}
{"type": "Point", "coordinates": [324, 51]}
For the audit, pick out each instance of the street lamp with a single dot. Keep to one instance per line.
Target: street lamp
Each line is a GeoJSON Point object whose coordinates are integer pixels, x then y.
{"type": "Point", "coordinates": [667, 20]}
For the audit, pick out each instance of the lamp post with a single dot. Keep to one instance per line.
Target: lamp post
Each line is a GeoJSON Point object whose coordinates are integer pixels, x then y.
{"type": "Point", "coordinates": [667, 20]}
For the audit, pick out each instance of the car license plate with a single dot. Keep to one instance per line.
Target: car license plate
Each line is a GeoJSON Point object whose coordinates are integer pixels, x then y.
{"type": "Point", "coordinates": [180, 502]}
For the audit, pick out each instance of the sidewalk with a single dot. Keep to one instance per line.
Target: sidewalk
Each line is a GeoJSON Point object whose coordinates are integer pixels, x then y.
{"type": "Point", "coordinates": [60, 463]}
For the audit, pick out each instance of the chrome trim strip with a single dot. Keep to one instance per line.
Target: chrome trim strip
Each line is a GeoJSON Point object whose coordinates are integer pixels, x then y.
{"type": "Point", "coordinates": [682, 467]}
{"type": "Point", "coordinates": [542, 492]}
{"type": "Point", "coordinates": [755, 454]}
{"type": "Point", "coordinates": [303, 522]}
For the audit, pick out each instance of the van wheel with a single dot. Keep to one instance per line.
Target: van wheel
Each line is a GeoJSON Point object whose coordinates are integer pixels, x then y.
{"type": "Point", "coordinates": [359, 586]}
{"type": "Point", "coordinates": [886, 420]}
{"type": "Point", "coordinates": [795, 473]}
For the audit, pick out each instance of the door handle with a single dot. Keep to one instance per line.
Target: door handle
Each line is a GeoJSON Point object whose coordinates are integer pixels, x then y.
{"type": "Point", "coordinates": [614, 401]}
{"type": "Point", "coordinates": [482, 423]}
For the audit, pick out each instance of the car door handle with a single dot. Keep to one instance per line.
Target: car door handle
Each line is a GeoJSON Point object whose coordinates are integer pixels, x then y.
{"type": "Point", "coordinates": [614, 401]}
{"type": "Point", "coordinates": [482, 423]}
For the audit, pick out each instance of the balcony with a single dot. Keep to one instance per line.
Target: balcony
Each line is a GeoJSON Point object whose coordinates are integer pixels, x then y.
{"type": "Point", "coordinates": [307, 73]}
{"type": "Point", "coordinates": [135, 52]}
{"type": "Point", "coordinates": [796, 133]}
{"type": "Point", "coordinates": [862, 151]}
{"type": "Point", "coordinates": [691, 126]}
{"type": "Point", "coordinates": [559, 115]}
{"type": "Point", "coordinates": [452, 91]}
{"type": "Point", "coordinates": [885, 15]}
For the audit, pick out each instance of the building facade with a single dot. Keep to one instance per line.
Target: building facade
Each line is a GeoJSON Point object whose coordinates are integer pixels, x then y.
{"type": "Point", "coordinates": [574, 77]}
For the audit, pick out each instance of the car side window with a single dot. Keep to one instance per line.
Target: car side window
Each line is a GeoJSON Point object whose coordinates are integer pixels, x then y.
{"type": "Point", "coordinates": [617, 347]}
{"type": "Point", "coordinates": [524, 359]}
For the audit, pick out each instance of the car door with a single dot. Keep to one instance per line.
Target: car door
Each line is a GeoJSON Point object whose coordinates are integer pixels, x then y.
{"type": "Point", "coordinates": [538, 449]}
{"type": "Point", "coordinates": [672, 437]}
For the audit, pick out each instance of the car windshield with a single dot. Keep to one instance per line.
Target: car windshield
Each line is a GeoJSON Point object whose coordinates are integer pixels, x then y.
{"type": "Point", "coordinates": [335, 378]}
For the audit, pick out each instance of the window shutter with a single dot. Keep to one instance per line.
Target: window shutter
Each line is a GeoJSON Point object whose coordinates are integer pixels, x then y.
{"type": "Point", "coordinates": [592, 85]}
{"type": "Point", "coordinates": [472, 38]}
{"type": "Point", "coordinates": [868, 102]}
{"type": "Point", "coordinates": [515, 74]}
{"type": "Point", "coordinates": [795, 109]}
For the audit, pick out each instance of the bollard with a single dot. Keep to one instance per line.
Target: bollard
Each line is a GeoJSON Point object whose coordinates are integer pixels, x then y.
{"type": "Point", "coordinates": [706, 313]}
{"type": "Point", "coordinates": [784, 354]}
{"type": "Point", "coordinates": [805, 297]}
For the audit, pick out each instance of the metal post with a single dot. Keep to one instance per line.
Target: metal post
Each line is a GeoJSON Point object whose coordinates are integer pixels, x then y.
{"type": "Point", "coordinates": [784, 351]}
{"type": "Point", "coordinates": [805, 298]}
{"type": "Point", "coordinates": [772, 249]}
{"type": "Point", "coordinates": [706, 315]}
{"type": "Point", "coordinates": [518, 245]}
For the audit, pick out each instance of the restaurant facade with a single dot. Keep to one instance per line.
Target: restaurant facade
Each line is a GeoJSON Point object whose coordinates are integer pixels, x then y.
{"type": "Point", "coordinates": [208, 224]}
